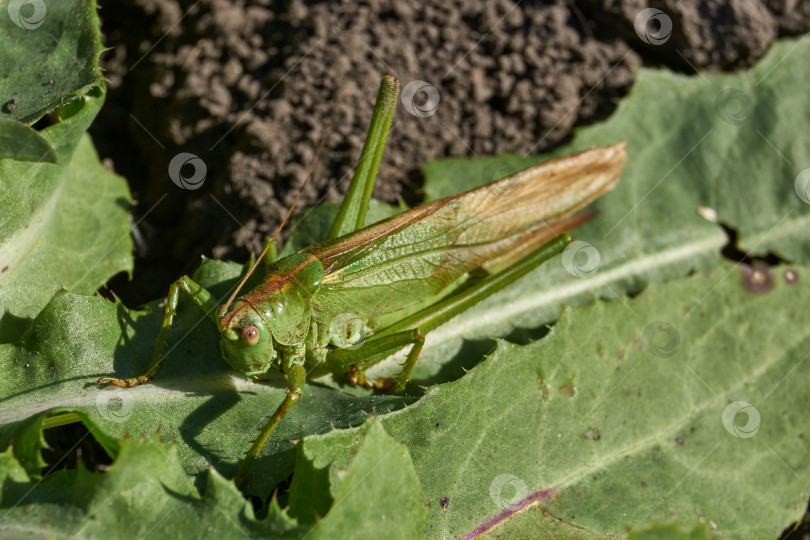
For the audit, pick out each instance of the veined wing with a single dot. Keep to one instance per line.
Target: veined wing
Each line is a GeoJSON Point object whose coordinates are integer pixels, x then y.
{"type": "Point", "coordinates": [401, 265]}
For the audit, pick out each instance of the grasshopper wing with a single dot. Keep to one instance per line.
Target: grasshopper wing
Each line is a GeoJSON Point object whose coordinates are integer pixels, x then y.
{"type": "Point", "coordinates": [400, 265]}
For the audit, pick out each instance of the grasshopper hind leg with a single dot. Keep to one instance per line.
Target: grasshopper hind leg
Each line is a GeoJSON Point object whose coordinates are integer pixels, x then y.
{"type": "Point", "coordinates": [410, 329]}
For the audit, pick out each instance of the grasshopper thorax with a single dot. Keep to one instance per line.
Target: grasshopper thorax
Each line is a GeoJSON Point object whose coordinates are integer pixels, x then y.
{"type": "Point", "coordinates": [275, 314]}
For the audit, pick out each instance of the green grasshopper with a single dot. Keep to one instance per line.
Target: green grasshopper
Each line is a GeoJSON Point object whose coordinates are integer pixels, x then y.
{"type": "Point", "coordinates": [346, 303]}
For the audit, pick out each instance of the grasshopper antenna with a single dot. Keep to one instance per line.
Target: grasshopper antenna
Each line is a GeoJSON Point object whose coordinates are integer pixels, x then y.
{"type": "Point", "coordinates": [259, 259]}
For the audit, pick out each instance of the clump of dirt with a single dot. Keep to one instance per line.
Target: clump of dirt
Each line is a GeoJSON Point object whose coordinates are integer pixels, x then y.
{"type": "Point", "coordinates": [249, 86]}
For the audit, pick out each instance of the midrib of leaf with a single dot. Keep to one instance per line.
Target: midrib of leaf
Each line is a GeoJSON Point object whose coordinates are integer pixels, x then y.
{"type": "Point", "coordinates": [87, 398]}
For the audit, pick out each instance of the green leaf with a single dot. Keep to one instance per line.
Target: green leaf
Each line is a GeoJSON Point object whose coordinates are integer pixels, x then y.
{"type": "Point", "coordinates": [615, 429]}
{"type": "Point", "coordinates": [670, 531]}
{"type": "Point", "coordinates": [63, 216]}
{"type": "Point", "coordinates": [48, 55]}
{"type": "Point", "coordinates": [372, 490]}
{"type": "Point", "coordinates": [144, 490]}
{"type": "Point", "coordinates": [725, 141]}
{"type": "Point", "coordinates": [18, 141]}
{"type": "Point", "coordinates": [617, 419]}
{"type": "Point", "coordinates": [55, 236]}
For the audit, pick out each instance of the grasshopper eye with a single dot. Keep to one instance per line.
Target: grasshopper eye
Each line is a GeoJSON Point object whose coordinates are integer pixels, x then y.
{"type": "Point", "coordinates": [250, 334]}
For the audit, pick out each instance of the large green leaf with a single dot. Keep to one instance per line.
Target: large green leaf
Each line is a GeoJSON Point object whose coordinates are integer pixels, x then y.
{"type": "Point", "coordinates": [628, 412]}
{"type": "Point", "coordinates": [614, 420]}
{"type": "Point", "coordinates": [62, 225]}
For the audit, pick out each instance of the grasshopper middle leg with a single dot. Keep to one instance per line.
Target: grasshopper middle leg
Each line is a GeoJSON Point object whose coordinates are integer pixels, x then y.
{"type": "Point", "coordinates": [373, 351]}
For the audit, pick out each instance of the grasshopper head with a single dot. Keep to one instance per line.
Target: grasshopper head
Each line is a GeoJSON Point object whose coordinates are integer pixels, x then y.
{"type": "Point", "coordinates": [274, 315]}
{"type": "Point", "coordinates": [245, 340]}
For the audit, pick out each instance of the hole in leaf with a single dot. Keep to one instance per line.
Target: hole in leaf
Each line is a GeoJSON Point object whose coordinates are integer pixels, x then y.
{"type": "Point", "coordinates": [69, 444]}
{"type": "Point", "coordinates": [732, 252]}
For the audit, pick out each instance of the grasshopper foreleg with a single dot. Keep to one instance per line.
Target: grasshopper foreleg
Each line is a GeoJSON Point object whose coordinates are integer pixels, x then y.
{"type": "Point", "coordinates": [200, 296]}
